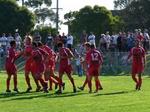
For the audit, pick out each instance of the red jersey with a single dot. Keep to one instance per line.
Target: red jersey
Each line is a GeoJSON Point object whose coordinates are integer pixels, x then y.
{"type": "Point", "coordinates": [51, 53]}
{"type": "Point", "coordinates": [95, 58]}
{"type": "Point", "coordinates": [64, 52]}
{"type": "Point", "coordinates": [10, 61]}
{"type": "Point", "coordinates": [65, 64]}
{"type": "Point", "coordinates": [50, 59]}
{"type": "Point", "coordinates": [38, 65]}
{"type": "Point", "coordinates": [37, 56]}
{"type": "Point", "coordinates": [87, 57]}
{"type": "Point", "coordinates": [11, 56]}
{"type": "Point", "coordinates": [138, 55]}
{"type": "Point", "coordinates": [28, 51]}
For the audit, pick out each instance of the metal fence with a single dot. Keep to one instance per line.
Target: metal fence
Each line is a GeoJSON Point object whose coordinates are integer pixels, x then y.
{"type": "Point", "coordinates": [115, 63]}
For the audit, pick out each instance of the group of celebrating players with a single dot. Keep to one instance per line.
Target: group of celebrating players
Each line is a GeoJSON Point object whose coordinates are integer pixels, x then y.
{"type": "Point", "coordinates": [40, 62]}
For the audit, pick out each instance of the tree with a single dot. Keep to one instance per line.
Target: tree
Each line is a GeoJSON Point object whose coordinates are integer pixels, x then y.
{"type": "Point", "coordinates": [43, 14]}
{"type": "Point", "coordinates": [13, 17]}
{"type": "Point", "coordinates": [41, 10]}
{"type": "Point", "coordinates": [38, 3]}
{"type": "Point", "coordinates": [97, 19]}
{"type": "Point", "coordinates": [123, 3]}
{"type": "Point", "coordinates": [137, 15]}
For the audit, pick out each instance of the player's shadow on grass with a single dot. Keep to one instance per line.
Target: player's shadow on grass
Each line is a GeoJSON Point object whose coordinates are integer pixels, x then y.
{"type": "Point", "coordinates": [8, 95]}
{"type": "Point", "coordinates": [46, 95]}
{"type": "Point", "coordinates": [115, 93]}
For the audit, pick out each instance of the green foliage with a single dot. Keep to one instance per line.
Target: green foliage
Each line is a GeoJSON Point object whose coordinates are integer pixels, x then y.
{"type": "Point", "coordinates": [97, 19]}
{"type": "Point", "coordinates": [121, 4]}
{"type": "Point", "coordinates": [118, 96]}
{"type": "Point", "coordinates": [38, 3]}
{"type": "Point", "coordinates": [43, 14]}
{"type": "Point", "coordinates": [13, 17]}
{"type": "Point", "coordinates": [136, 15]}
{"type": "Point", "coordinates": [41, 10]}
{"type": "Point", "coordinates": [44, 31]}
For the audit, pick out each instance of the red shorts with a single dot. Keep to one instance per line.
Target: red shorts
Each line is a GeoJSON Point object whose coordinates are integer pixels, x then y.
{"type": "Point", "coordinates": [37, 68]}
{"type": "Point", "coordinates": [11, 69]}
{"type": "Point", "coordinates": [28, 66]}
{"type": "Point", "coordinates": [50, 66]}
{"type": "Point", "coordinates": [93, 71]}
{"type": "Point", "coordinates": [65, 69]}
{"type": "Point", "coordinates": [137, 68]}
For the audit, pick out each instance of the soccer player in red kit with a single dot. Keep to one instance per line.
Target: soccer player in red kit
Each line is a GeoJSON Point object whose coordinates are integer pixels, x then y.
{"type": "Point", "coordinates": [49, 74]}
{"type": "Point", "coordinates": [10, 66]}
{"type": "Point", "coordinates": [38, 66]}
{"type": "Point", "coordinates": [138, 63]}
{"type": "Point", "coordinates": [88, 48]}
{"type": "Point", "coordinates": [28, 64]}
{"type": "Point", "coordinates": [65, 56]}
{"type": "Point", "coordinates": [86, 66]}
{"type": "Point", "coordinates": [95, 61]}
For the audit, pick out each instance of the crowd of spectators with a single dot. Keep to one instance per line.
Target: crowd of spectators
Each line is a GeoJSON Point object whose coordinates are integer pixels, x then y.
{"type": "Point", "coordinates": [123, 42]}
{"type": "Point", "coordinates": [115, 42]}
{"type": "Point", "coordinates": [6, 39]}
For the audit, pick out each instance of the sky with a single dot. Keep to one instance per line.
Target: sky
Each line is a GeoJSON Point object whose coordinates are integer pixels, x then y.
{"type": "Point", "coordinates": [75, 5]}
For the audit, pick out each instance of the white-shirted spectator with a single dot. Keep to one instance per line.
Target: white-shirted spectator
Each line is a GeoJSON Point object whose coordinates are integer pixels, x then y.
{"type": "Point", "coordinates": [114, 39]}
{"type": "Point", "coordinates": [4, 41]}
{"type": "Point", "coordinates": [113, 44]}
{"type": "Point", "coordinates": [91, 38]}
{"type": "Point", "coordinates": [18, 41]}
{"type": "Point", "coordinates": [69, 41]}
{"type": "Point", "coordinates": [102, 43]}
{"type": "Point", "coordinates": [108, 40]}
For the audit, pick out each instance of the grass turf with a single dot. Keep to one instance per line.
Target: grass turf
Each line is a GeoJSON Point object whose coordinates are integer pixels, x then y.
{"type": "Point", "coordinates": [118, 96]}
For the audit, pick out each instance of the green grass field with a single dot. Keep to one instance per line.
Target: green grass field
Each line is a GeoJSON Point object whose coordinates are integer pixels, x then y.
{"type": "Point", "coordinates": [118, 96]}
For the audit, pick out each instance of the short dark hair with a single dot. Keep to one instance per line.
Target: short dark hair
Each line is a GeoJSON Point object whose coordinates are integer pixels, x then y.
{"type": "Point", "coordinates": [34, 44]}
{"type": "Point", "coordinates": [92, 46]}
{"type": "Point", "coordinates": [13, 42]}
{"type": "Point", "coordinates": [40, 44]}
{"type": "Point", "coordinates": [60, 44]}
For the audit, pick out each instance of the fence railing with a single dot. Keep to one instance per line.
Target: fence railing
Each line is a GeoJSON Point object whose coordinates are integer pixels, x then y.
{"type": "Point", "coordinates": [115, 63]}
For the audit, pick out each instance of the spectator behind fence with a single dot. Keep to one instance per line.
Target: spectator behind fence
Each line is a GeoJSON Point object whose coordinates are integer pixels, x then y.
{"type": "Point", "coordinates": [108, 40]}
{"type": "Point", "coordinates": [130, 41]}
{"type": "Point", "coordinates": [69, 41]}
{"type": "Point", "coordinates": [10, 38]}
{"type": "Point", "coordinates": [102, 43]}
{"type": "Point", "coordinates": [57, 39]}
{"type": "Point", "coordinates": [124, 42]}
{"type": "Point", "coordinates": [91, 38]}
{"type": "Point", "coordinates": [64, 39]}
{"type": "Point", "coordinates": [1, 51]}
{"type": "Point", "coordinates": [78, 63]}
{"type": "Point", "coordinates": [18, 41]}
{"type": "Point", "coordinates": [49, 40]}
{"type": "Point", "coordinates": [113, 42]}
{"type": "Point", "coordinates": [146, 41]}
{"type": "Point", "coordinates": [119, 42]}
{"type": "Point", "coordinates": [37, 37]}
{"type": "Point", "coordinates": [4, 41]}
{"type": "Point", "coordinates": [83, 37]}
